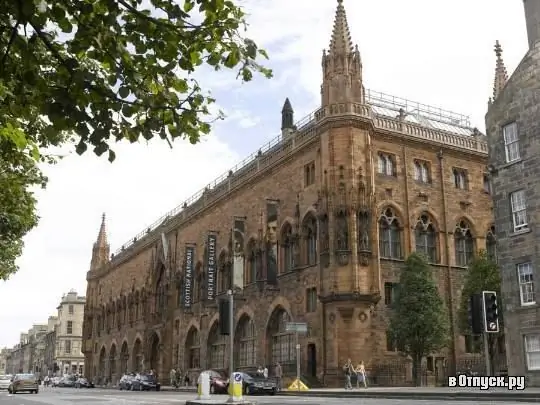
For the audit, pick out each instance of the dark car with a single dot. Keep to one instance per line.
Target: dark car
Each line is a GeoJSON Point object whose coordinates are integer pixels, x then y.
{"type": "Point", "coordinates": [126, 382]}
{"type": "Point", "coordinates": [218, 383]}
{"type": "Point", "coordinates": [145, 382]}
{"type": "Point", "coordinates": [256, 384]}
{"type": "Point", "coordinates": [67, 382]}
{"type": "Point", "coordinates": [83, 383]}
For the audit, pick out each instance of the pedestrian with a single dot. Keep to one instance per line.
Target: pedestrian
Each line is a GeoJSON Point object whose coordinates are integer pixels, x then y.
{"type": "Point", "coordinates": [265, 372]}
{"type": "Point", "coordinates": [278, 373]}
{"type": "Point", "coordinates": [177, 378]}
{"type": "Point", "coordinates": [186, 379]}
{"type": "Point", "coordinates": [361, 375]}
{"type": "Point", "coordinates": [348, 369]}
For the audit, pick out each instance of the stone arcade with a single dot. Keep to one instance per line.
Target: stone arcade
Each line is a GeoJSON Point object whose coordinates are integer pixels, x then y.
{"type": "Point", "coordinates": [315, 229]}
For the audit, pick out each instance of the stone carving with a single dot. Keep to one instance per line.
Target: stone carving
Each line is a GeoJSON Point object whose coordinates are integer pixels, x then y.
{"type": "Point", "coordinates": [342, 232]}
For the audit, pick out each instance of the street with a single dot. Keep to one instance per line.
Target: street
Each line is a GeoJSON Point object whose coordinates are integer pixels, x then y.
{"type": "Point", "coordinates": [66, 396]}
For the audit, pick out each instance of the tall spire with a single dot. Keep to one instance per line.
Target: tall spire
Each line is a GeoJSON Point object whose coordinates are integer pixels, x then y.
{"type": "Point", "coordinates": [501, 75]}
{"type": "Point", "coordinates": [101, 249]}
{"type": "Point", "coordinates": [341, 43]}
{"type": "Point", "coordinates": [341, 65]}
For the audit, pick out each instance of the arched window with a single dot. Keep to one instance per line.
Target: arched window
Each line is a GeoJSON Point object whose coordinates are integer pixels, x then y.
{"type": "Point", "coordinates": [254, 262]}
{"type": "Point", "coordinates": [283, 343]}
{"type": "Point", "coordinates": [193, 349]}
{"type": "Point", "coordinates": [224, 273]}
{"type": "Point", "coordinates": [491, 245]}
{"type": "Point", "coordinates": [421, 171]}
{"type": "Point", "coordinates": [159, 301]}
{"type": "Point", "coordinates": [216, 348]}
{"type": "Point", "coordinates": [387, 164]}
{"type": "Point", "coordinates": [247, 343]}
{"type": "Point", "coordinates": [426, 238]}
{"type": "Point", "coordinates": [464, 244]}
{"type": "Point", "coordinates": [112, 361]}
{"type": "Point", "coordinates": [310, 239]}
{"type": "Point", "coordinates": [390, 235]}
{"type": "Point", "coordinates": [288, 249]}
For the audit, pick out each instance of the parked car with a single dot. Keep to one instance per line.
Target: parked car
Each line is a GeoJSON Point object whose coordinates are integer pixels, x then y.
{"type": "Point", "coordinates": [5, 381]}
{"type": "Point", "coordinates": [67, 382]}
{"type": "Point", "coordinates": [55, 381]}
{"type": "Point", "coordinates": [145, 382]}
{"type": "Point", "coordinates": [83, 383]}
{"type": "Point", "coordinates": [126, 382]}
{"type": "Point", "coordinates": [23, 382]}
{"type": "Point", "coordinates": [256, 384]}
{"type": "Point", "coordinates": [218, 383]}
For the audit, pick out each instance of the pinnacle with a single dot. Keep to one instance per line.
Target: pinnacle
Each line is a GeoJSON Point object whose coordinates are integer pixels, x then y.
{"type": "Point", "coordinates": [341, 36]}
{"type": "Point", "coordinates": [287, 106]}
{"type": "Point", "coordinates": [501, 75]}
{"type": "Point", "coordinates": [102, 235]}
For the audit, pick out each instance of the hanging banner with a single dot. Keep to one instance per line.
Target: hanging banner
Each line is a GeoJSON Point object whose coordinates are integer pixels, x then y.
{"type": "Point", "coordinates": [211, 266]}
{"type": "Point", "coordinates": [188, 276]}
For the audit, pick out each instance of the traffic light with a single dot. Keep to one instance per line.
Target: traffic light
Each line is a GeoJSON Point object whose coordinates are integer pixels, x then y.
{"type": "Point", "coordinates": [224, 321]}
{"type": "Point", "coordinates": [475, 314]}
{"type": "Point", "coordinates": [491, 314]}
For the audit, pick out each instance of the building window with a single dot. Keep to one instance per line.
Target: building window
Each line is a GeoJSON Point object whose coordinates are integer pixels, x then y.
{"type": "Point", "coordinates": [247, 350]}
{"type": "Point", "coordinates": [519, 210]}
{"type": "Point", "coordinates": [69, 328]}
{"type": "Point", "coordinates": [464, 244]}
{"type": "Point", "coordinates": [422, 171]}
{"type": "Point", "coordinates": [217, 350]}
{"type": "Point", "coordinates": [511, 142]}
{"type": "Point", "coordinates": [473, 343]}
{"type": "Point", "coordinates": [460, 178]}
{"type": "Point", "coordinates": [309, 174]}
{"type": "Point", "coordinates": [426, 238]}
{"type": "Point", "coordinates": [311, 299]}
{"type": "Point", "coordinates": [67, 347]}
{"type": "Point", "coordinates": [283, 344]}
{"type": "Point", "coordinates": [526, 283]}
{"type": "Point", "coordinates": [194, 349]}
{"type": "Point", "coordinates": [491, 245]}
{"type": "Point", "coordinates": [532, 351]}
{"type": "Point", "coordinates": [391, 344]}
{"type": "Point", "coordinates": [310, 237]}
{"type": "Point", "coordinates": [390, 293]}
{"type": "Point", "coordinates": [288, 244]}
{"type": "Point", "coordinates": [487, 184]}
{"type": "Point", "coordinates": [390, 235]}
{"type": "Point", "coordinates": [70, 309]}
{"type": "Point", "coordinates": [387, 164]}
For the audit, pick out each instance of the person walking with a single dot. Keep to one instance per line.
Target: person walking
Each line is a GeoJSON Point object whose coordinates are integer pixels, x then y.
{"type": "Point", "coordinates": [348, 369]}
{"type": "Point", "coordinates": [278, 373]}
{"type": "Point", "coordinates": [361, 375]}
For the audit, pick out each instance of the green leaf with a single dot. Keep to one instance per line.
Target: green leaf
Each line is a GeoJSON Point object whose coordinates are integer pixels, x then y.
{"type": "Point", "coordinates": [124, 92]}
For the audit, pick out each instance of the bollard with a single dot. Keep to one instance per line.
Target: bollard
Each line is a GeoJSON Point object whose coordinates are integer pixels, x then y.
{"type": "Point", "coordinates": [203, 386]}
{"type": "Point", "coordinates": [236, 388]}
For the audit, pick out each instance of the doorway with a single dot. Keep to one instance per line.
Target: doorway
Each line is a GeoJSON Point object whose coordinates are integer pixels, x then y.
{"type": "Point", "coordinates": [312, 360]}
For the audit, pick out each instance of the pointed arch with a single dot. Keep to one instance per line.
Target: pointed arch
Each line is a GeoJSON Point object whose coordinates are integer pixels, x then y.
{"type": "Point", "coordinates": [102, 362]}
{"type": "Point", "coordinates": [137, 355]}
{"type": "Point", "coordinates": [245, 342]}
{"type": "Point", "coordinates": [224, 271]}
{"type": "Point", "coordinates": [124, 357]}
{"type": "Point", "coordinates": [491, 244]}
{"type": "Point", "coordinates": [112, 362]}
{"type": "Point", "coordinates": [464, 242]}
{"type": "Point", "coordinates": [425, 235]}
{"type": "Point", "coordinates": [216, 348]}
{"type": "Point", "coordinates": [287, 241]}
{"type": "Point", "coordinates": [280, 343]}
{"type": "Point", "coordinates": [193, 348]}
{"type": "Point", "coordinates": [309, 238]}
{"type": "Point", "coordinates": [390, 233]}
{"type": "Point", "coordinates": [254, 261]}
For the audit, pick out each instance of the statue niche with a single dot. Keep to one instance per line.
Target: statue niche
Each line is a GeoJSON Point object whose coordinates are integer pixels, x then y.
{"type": "Point", "coordinates": [342, 238]}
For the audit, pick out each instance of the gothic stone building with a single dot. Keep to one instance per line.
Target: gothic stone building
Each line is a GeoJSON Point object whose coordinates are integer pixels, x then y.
{"type": "Point", "coordinates": [513, 127]}
{"type": "Point", "coordinates": [321, 222]}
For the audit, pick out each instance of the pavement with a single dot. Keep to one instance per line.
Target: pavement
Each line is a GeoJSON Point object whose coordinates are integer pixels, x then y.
{"type": "Point", "coordinates": [98, 396]}
{"type": "Point", "coordinates": [69, 396]}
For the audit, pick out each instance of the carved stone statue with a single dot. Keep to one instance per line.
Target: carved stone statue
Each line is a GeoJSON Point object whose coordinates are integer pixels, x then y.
{"type": "Point", "coordinates": [342, 233]}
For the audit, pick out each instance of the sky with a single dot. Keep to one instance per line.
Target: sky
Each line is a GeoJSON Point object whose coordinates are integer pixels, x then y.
{"type": "Point", "coordinates": [433, 52]}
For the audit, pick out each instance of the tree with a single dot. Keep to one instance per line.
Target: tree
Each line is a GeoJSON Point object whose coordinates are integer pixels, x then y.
{"type": "Point", "coordinates": [419, 323]}
{"type": "Point", "coordinates": [94, 72]}
{"type": "Point", "coordinates": [483, 275]}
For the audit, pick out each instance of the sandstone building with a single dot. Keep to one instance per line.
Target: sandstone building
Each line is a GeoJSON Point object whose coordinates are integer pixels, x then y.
{"type": "Point", "coordinates": [513, 128]}
{"type": "Point", "coordinates": [313, 229]}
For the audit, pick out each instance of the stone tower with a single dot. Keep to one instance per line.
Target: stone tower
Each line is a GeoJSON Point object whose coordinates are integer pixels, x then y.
{"type": "Point", "coordinates": [101, 248]}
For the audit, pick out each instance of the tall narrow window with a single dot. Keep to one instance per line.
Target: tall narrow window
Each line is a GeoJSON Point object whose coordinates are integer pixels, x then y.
{"type": "Point", "coordinates": [532, 351]}
{"type": "Point", "coordinates": [253, 262]}
{"type": "Point", "coordinates": [511, 142]}
{"type": "Point", "coordinates": [422, 171]}
{"type": "Point", "coordinates": [288, 243]}
{"type": "Point", "coordinates": [387, 164]}
{"type": "Point", "coordinates": [390, 235]}
{"type": "Point", "coordinates": [460, 178]}
{"type": "Point", "coordinates": [464, 244]}
{"type": "Point", "coordinates": [491, 245]}
{"type": "Point", "coordinates": [310, 237]}
{"type": "Point", "coordinates": [426, 238]}
{"type": "Point", "coordinates": [519, 210]}
{"type": "Point", "coordinates": [526, 283]}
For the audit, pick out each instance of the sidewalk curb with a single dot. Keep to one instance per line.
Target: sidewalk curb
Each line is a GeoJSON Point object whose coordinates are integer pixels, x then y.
{"type": "Point", "coordinates": [438, 396]}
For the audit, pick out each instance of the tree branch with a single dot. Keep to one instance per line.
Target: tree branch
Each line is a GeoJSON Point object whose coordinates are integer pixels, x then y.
{"type": "Point", "coordinates": [11, 39]}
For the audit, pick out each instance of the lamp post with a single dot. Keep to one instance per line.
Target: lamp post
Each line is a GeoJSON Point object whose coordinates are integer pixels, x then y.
{"type": "Point", "coordinates": [230, 293]}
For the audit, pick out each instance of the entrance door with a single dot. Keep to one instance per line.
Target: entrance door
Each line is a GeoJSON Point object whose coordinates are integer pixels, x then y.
{"type": "Point", "coordinates": [312, 360]}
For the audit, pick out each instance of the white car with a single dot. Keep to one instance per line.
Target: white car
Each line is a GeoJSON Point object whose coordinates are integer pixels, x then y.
{"type": "Point", "coordinates": [5, 380]}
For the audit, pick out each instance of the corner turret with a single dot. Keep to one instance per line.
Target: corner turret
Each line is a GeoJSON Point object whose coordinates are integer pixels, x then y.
{"type": "Point", "coordinates": [101, 249]}
{"type": "Point", "coordinates": [287, 119]}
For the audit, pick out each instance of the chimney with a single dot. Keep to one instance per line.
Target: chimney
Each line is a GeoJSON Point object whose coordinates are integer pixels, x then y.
{"type": "Point", "coordinates": [532, 19]}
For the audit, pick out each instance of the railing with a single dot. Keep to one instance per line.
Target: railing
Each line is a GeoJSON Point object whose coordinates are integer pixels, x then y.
{"type": "Point", "coordinates": [305, 130]}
